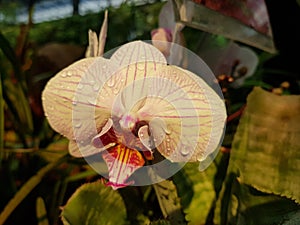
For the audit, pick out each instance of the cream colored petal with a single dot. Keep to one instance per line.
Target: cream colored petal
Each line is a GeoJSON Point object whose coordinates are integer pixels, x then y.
{"type": "Point", "coordinates": [138, 51]}
{"type": "Point", "coordinates": [193, 113]}
{"type": "Point", "coordinates": [217, 121]}
{"type": "Point", "coordinates": [72, 104]}
{"type": "Point", "coordinates": [58, 96]}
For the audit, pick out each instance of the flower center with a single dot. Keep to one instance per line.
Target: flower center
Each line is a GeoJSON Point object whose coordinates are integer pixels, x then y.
{"type": "Point", "coordinates": [128, 121]}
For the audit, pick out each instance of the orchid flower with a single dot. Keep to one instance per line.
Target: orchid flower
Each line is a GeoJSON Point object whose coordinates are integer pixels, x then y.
{"type": "Point", "coordinates": [239, 62]}
{"type": "Point", "coordinates": [168, 32]}
{"type": "Point", "coordinates": [234, 60]}
{"type": "Point", "coordinates": [131, 107]}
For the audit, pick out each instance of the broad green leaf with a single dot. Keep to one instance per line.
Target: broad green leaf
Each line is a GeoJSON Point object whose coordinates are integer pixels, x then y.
{"type": "Point", "coordinates": [197, 192]}
{"type": "Point", "coordinates": [265, 149]}
{"type": "Point", "coordinates": [94, 203]}
{"type": "Point", "coordinates": [256, 208]}
{"type": "Point", "coordinates": [169, 202]}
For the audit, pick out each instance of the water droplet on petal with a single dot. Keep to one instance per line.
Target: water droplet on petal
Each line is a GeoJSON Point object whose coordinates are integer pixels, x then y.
{"type": "Point", "coordinates": [91, 100]}
{"type": "Point", "coordinates": [140, 66]}
{"type": "Point", "coordinates": [80, 86]}
{"type": "Point", "coordinates": [69, 73]}
{"type": "Point", "coordinates": [184, 150]}
{"type": "Point", "coordinates": [74, 102]}
{"type": "Point", "coordinates": [110, 82]}
{"type": "Point", "coordinates": [116, 91]}
{"type": "Point", "coordinates": [96, 87]}
{"type": "Point", "coordinates": [78, 125]}
{"type": "Point", "coordinates": [168, 150]}
{"type": "Point", "coordinates": [166, 130]}
{"type": "Point", "coordinates": [64, 74]}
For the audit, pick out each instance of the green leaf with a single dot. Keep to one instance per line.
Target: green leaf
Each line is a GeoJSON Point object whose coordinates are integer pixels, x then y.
{"type": "Point", "coordinates": [27, 188]}
{"type": "Point", "coordinates": [265, 149]}
{"type": "Point", "coordinates": [18, 103]}
{"type": "Point", "coordinates": [256, 208]}
{"type": "Point", "coordinates": [1, 122]}
{"type": "Point", "coordinates": [41, 212]}
{"type": "Point", "coordinates": [10, 54]}
{"type": "Point", "coordinates": [160, 222]}
{"type": "Point", "coordinates": [94, 203]}
{"type": "Point", "coordinates": [169, 202]}
{"type": "Point", "coordinates": [197, 191]}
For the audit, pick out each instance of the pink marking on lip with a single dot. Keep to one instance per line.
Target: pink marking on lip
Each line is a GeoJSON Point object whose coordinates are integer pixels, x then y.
{"type": "Point", "coordinates": [122, 162]}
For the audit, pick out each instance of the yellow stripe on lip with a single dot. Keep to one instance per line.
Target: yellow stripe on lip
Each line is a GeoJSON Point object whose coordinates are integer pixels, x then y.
{"type": "Point", "coordinates": [122, 162]}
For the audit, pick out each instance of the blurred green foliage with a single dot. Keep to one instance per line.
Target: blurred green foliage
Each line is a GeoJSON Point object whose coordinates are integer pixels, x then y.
{"type": "Point", "coordinates": [216, 196]}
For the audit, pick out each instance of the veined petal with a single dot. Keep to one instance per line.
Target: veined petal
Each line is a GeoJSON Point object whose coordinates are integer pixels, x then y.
{"type": "Point", "coordinates": [122, 162]}
{"type": "Point", "coordinates": [211, 135]}
{"type": "Point", "coordinates": [137, 51]}
{"type": "Point", "coordinates": [73, 106]}
{"type": "Point", "coordinates": [193, 115]}
{"type": "Point", "coordinates": [58, 96]}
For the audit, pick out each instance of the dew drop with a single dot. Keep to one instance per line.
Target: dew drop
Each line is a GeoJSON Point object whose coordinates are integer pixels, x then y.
{"type": "Point", "coordinates": [168, 150]}
{"type": "Point", "coordinates": [64, 74]}
{"type": "Point", "coordinates": [78, 125]}
{"type": "Point", "coordinates": [91, 101]}
{"type": "Point", "coordinates": [110, 83]}
{"type": "Point", "coordinates": [80, 86]}
{"type": "Point", "coordinates": [96, 86]}
{"type": "Point", "coordinates": [140, 66]}
{"type": "Point", "coordinates": [116, 90]}
{"type": "Point", "coordinates": [69, 73]}
{"type": "Point", "coordinates": [184, 150]}
{"type": "Point", "coordinates": [74, 102]}
{"type": "Point", "coordinates": [166, 130]}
